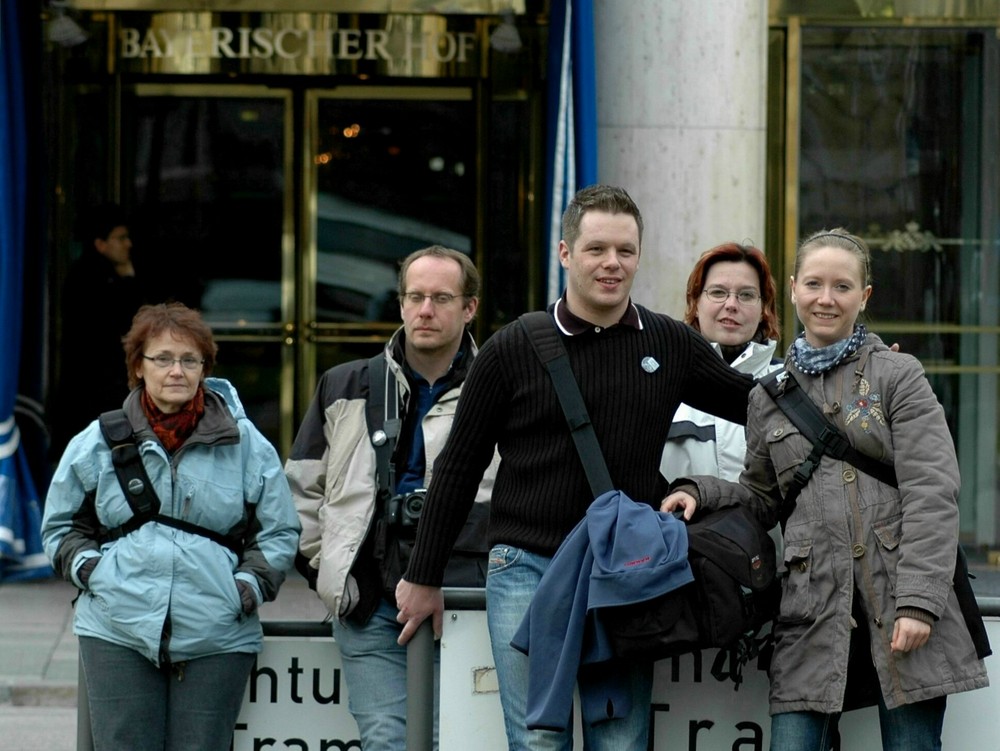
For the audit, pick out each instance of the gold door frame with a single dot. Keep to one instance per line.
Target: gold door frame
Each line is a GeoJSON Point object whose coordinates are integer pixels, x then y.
{"type": "Point", "coordinates": [783, 158]}
{"type": "Point", "coordinates": [284, 331]}
{"type": "Point", "coordinates": [311, 332]}
{"type": "Point", "coordinates": [977, 378]}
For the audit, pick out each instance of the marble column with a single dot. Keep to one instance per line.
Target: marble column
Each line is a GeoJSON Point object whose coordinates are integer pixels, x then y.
{"type": "Point", "coordinates": [682, 118]}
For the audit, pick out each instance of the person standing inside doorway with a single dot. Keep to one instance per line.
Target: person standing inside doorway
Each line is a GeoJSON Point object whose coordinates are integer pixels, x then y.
{"type": "Point", "coordinates": [100, 296]}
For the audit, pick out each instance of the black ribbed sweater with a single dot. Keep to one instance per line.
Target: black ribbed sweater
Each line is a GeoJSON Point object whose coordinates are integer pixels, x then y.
{"type": "Point", "coordinates": [541, 491]}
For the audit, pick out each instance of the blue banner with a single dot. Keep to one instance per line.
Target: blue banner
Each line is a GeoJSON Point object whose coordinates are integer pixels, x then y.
{"type": "Point", "coordinates": [571, 149]}
{"type": "Point", "coordinates": [21, 555]}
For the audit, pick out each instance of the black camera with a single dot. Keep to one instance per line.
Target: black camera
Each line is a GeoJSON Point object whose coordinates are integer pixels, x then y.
{"type": "Point", "coordinates": [404, 510]}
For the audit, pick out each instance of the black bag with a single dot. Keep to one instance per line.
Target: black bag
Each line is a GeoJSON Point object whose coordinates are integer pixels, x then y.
{"type": "Point", "coordinates": [733, 595]}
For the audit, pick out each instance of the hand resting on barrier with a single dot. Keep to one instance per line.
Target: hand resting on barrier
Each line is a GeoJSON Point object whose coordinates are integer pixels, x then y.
{"type": "Point", "coordinates": [415, 603]}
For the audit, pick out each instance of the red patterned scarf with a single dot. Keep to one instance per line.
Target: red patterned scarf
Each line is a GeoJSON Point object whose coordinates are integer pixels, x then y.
{"type": "Point", "coordinates": [175, 428]}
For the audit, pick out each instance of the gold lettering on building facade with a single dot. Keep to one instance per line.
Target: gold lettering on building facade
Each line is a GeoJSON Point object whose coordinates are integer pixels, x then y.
{"type": "Point", "coordinates": [246, 43]}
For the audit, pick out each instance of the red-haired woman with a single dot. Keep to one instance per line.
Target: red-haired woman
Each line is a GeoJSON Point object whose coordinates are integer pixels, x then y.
{"type": "Point", "coordinates": [167, 620]}
{"type": "Point", "coordinates": [731, 300]}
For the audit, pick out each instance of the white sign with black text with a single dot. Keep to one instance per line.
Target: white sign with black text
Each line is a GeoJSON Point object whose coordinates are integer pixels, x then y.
{"type": "Point", "coordinates": [296, 699]}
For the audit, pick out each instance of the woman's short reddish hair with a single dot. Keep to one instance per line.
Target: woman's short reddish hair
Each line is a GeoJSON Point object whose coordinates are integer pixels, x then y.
{"type": "Point", "coordinates": [175, 317]}
{"type": "Point", "coordinates": [735, 252]}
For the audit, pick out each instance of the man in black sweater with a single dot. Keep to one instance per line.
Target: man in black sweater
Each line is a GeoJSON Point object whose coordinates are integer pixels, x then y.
{"type": "Point", "coordinates": [634, 367]}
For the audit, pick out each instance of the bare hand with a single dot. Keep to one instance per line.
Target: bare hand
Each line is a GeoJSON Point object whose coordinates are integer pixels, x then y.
{"type": "Point", "coordinates": [909, 634]}
{"type": "Point", "coordinates": [679, 499]}
{"type": "Point", "coordinates": [415, 603]}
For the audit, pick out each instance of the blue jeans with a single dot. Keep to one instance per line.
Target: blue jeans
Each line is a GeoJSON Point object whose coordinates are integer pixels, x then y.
{"type": "Point", "coordinates": [513, 577]}
{"type": "Point", "coordinates": [375, 672]}
{"type": "Point", "coordinates": [134, 704]}
{"type": "Point", "coordinates": [911, 727]}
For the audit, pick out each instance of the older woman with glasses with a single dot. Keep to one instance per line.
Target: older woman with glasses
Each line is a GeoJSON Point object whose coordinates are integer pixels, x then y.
{"type": "Point", "coordinates": [166, 619]}
{"type": "Point", "coordinates": [731, 301]}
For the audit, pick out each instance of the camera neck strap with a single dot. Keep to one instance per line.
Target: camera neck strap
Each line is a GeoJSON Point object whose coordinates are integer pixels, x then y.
{"type": "Point", "coordinates": [548, 345]}
{"type": "Point", "coordinates": [382, 414]}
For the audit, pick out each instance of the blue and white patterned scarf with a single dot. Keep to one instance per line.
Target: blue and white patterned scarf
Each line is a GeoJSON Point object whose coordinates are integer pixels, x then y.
{"type": "Point", "coordinates": [813, 360]}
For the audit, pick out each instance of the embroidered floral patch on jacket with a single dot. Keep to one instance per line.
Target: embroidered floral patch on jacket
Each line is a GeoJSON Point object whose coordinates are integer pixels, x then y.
{"type": "Point", "coordinates": [867, 406]}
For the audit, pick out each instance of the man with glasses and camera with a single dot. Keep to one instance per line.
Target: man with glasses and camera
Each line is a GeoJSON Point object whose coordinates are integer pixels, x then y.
{"type": "Point", "coordinates": [358, 468]}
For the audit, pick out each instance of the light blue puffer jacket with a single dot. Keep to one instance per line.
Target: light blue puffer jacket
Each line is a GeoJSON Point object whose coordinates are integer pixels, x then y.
{"type": "Point", "coordinates": [167, 593]}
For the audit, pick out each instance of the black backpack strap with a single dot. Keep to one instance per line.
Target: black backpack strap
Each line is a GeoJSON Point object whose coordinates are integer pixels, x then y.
{"type": "Point", "coordinates": [729, 661]}
{"type": "Point", "coordinates": [548, 345]}
{"type": "Point", "coordinates": [139, 493]}
{"type": "Point", "coordinates": [227, 541]}
{"type": "Point", "coordinates": [135, 483]}
{"type": "Point", "coordinates": [383, 429]}
{"type": "Point", "coordinates": [804, 471]}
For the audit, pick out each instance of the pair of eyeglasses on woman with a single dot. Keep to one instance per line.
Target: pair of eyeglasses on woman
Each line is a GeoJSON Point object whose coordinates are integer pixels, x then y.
{"type": "Point", "coordinates": [188, 362]}
{"type": "Point", "coordinates": [743, 296]}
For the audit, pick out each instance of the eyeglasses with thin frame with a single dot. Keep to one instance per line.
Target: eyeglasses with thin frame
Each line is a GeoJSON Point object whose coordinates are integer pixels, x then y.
{"type": "Point", "coordinates": [188, 362]}
{"type": "Point", "coordinates": [743, 296]}
{"type": "Point", "coordinates": [438, 299]}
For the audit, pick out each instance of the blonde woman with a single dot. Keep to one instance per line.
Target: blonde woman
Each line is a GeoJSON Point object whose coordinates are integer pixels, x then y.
{"type": "Point", "coordinates": [868, 611]}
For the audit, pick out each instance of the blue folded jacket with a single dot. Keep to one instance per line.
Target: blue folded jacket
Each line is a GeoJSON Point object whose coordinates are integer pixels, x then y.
{"type": "Point", "coordinates": [621, 552]}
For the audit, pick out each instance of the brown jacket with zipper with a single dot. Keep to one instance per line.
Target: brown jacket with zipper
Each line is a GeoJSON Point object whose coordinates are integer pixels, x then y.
{"type": "Point", "coordinates": [851, 535]}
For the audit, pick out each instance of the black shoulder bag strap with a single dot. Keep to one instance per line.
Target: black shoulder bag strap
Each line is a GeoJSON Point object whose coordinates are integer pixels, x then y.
{"type": "Point", "coordinates": [139, 493]}
{"type": "Point", "coordinates": [805, 414]}
{"type": "Point", "coordinates": [548, 345]}
{"type": "Point", "coordinates": [383, 429]}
